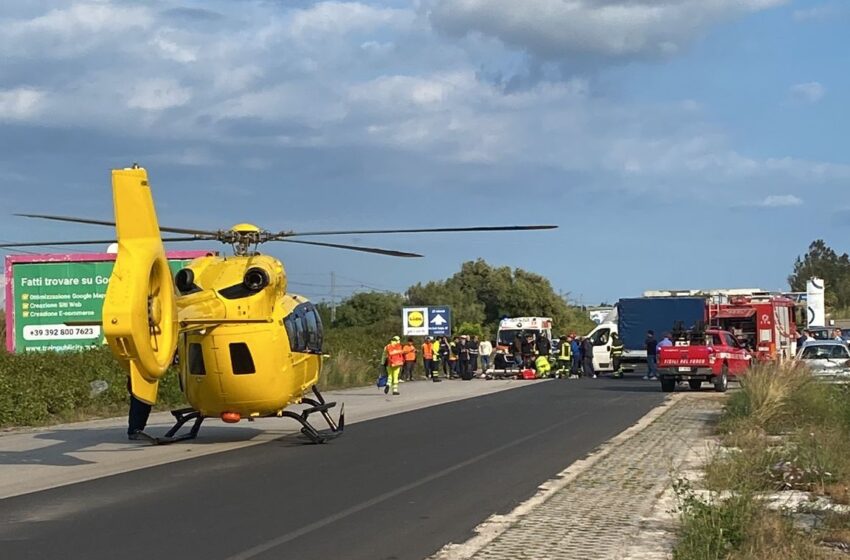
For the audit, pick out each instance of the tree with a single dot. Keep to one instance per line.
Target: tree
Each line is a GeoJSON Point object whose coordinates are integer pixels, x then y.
{"type": "Point", "coordinates": [481, 294]}
{"type": "Point", "coordinates": [368, 308]}
{"type": "Point", "coordinates": [470, 329]}
{"type": "Point", "coordinates": [823, 262]}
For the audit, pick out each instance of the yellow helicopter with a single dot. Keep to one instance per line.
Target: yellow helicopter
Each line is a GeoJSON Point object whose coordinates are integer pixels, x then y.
{"type": "Point", "coordinates": [246, 347]}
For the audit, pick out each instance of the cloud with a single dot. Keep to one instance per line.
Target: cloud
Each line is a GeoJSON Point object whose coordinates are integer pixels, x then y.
{"type": "Point", "coordinates": [563, 29]}
{"type": "Point", "coordinates": [338, 18]}
{"type": "Point", "coordinates": [70, 31]}
{"type": "Point", "coordinates": [780, 201]}
{"type": "Point", "coordinates": [173, 50]}
{"type": "Point", "coordinates": [158, 94]}
{"type": "Point", "coordinates": [823, 12]}
{"type": "Point", "coordinates": [240, 86]}
{"type": "Point", "coordinates": [20, 103]}
{"type": "Point", "coordinates": [809, 92]}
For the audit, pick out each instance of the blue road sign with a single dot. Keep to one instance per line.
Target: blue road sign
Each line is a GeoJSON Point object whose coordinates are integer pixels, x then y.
{"type": "Point", "coordinates": [440, 321]}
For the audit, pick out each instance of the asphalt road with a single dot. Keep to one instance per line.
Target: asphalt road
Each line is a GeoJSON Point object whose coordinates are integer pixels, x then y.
{"type": "Point", "coordinates": [394, 488]}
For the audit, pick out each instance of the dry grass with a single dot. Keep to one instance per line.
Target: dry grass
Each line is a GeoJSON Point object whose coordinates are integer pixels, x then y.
{"type": "Point", "coordinates": [810, 423]}
{"type": "Point", "coordinates": [770, 536]}
{"type": "Point", "coordinates": [767, 390]}
{"type": "Point", "coordinates": [838, 493]}
{"type": "Point", "coordinates": [344, 369]}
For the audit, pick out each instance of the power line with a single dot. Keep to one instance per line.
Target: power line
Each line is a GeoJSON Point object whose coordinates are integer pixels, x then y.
{"type": "Point", "coordinates": [361, 284]}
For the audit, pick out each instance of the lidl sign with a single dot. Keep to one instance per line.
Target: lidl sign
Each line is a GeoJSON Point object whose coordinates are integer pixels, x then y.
{"type": "Point", "coordinates": [427, 321]}
{"type": "Point", "coordinates": [55, 302]}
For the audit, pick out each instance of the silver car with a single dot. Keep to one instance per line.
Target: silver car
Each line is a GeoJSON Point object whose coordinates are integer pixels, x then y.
{"type": "Point", "coordinates": [828, 359]}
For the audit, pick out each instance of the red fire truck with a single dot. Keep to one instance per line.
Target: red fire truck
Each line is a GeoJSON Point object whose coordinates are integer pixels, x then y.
{"type": "Point", "coordinates": [765, 323]}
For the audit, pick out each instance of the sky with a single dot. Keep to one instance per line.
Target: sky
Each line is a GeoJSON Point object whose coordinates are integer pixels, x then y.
{"type": "Point", "coordinates": [677, 143]}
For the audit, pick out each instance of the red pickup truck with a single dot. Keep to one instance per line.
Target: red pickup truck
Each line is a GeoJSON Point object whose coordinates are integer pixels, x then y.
{"type": "Point", "coordinates": [712, 356]}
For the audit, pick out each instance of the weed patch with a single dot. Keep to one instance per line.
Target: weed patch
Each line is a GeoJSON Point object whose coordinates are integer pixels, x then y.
{"type": "Point", "coordinates": [781, 431]}
{"type": "Point", "coordinates": [711, 528]}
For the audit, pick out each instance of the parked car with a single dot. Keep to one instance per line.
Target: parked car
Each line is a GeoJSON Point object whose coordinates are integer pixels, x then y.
{"type": "Point", "coordinates": [828, 359]}
{"type": "Point", "coordinates": [821, 333]}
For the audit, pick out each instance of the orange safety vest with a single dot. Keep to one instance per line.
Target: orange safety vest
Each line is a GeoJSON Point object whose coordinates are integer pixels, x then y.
{"type": "Point", "coordinates": [409, 353]}
{"type": "Point", "coordinates": [395, 354]}
{"type": "Point", "coordinates": [428, 351]}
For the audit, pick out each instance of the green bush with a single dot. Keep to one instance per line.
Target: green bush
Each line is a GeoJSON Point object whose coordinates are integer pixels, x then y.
{"type": "Point", "coordinates": [47, 387]}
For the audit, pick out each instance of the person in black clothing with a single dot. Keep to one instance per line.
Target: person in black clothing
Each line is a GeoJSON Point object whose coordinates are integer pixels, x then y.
{"type": "Point", "coordinates": [463, 358]}
{"type": "Point", "coordinates": [472, 344]}
{"type": "Point", "coordinates": [544, 346]}
{"type": "Point", "coordinates": [587, 357]}
{"type": "Point", "coordinates": [528, 351]}
{"type": "Point", "coordinates": [516, 350]}
{"type": "Point", "coordinates": [651, 356]}
{"type": "Point", "coordinates": [138, 417]}
{"type": "Point", "coordinates": [445, 355]}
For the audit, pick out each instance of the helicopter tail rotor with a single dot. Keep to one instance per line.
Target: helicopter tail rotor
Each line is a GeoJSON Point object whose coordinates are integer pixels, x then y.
{"type": "Point", "coordinates": [140, 312]}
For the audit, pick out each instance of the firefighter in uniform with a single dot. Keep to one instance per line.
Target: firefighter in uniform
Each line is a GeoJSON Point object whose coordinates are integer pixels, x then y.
{"type": "Point", "coordinates": [435, 354]}
{"type": "Point", "coordinates": [616, 354]}
{"type": "Point", "coordinates": [565, 358]}
{"type": "Point", "coordinates": [394, 358]}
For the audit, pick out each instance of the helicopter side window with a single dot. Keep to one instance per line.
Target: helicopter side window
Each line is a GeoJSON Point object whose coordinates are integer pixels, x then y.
{"type": "Point", "coordinates": [314, 330]}
{"type": "Point", "coordinates": [289, 323]}
{"type": "Point", "coordinates": [241, 359]}
{"type": "Point", "coordinates": [300, 334]}
{"type": "Point", "coordinates": [196, 359]}
{"type": "Point", "coordinates": [295, 331]}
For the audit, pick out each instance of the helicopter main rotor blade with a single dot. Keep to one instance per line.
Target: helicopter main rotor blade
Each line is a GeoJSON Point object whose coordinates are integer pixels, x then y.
{"type": "Point", "coordinates": [89, 242]}
{"type": "Point", "coordinates": [387, 252]}
{"type": "Point", "coordinates": [212, 234]}
{"type": "Point", "coordinates": [286, 234]}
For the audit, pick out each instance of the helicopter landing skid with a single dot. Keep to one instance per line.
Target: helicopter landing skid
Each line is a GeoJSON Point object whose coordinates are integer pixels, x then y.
{"type": "Point", "coordinates": [318, 405]}
{"type": "Point", "coordinates": [182, 416]}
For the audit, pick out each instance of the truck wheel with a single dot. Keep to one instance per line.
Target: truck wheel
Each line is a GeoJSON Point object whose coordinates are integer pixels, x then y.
{"type": "Point", "coordinates": [695, 384]}
{"type": "Point", "coordinates": [668, 384]}
{"type": "Point", "coordinates": [721, 382]}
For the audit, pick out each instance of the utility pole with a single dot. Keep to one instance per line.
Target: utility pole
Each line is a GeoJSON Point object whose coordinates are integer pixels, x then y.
{"type": "Point", "coordinates": [333, 297]}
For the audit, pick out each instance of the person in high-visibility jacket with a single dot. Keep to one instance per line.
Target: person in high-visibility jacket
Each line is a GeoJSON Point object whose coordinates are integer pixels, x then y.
{"type": "Point", "coordinates": [435, 349]}
{"type": "Point", "coordinates": [409, 360]}
{"type": "Point", "coordinates": [617, 354]}
{"type": "Point", "coordinates": [453, 355]}
{"type": "Point", "coordinates": [565, 358]}
{"type": "Point", "coordinates": [394, 358]}
{"type": "Point", "coordinates": [428, 356]}
{"type": "Point", "coordinates": [542, 365]}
